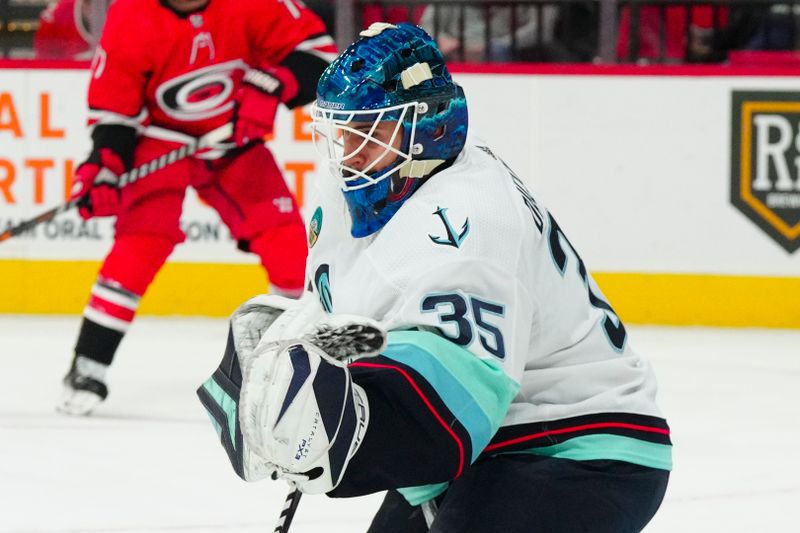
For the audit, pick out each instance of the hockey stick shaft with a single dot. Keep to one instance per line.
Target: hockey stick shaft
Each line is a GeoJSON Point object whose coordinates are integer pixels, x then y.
{"type": "Point", "coordinates": [47, 216]}
{"type": "Point", "coordinates": [287, 514]}
{"type": "Point", "coordinates": [211, 138]}
{"type": "Point", "coordinates": [429, 511]}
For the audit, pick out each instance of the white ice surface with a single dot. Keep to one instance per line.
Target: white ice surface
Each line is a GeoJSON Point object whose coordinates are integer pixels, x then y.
{"type": "Point", "coordinates": [149, 461]}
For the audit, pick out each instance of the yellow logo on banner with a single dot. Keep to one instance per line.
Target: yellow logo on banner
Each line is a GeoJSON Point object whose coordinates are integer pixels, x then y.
{"type": "Point", "coordinates": [765, 162]}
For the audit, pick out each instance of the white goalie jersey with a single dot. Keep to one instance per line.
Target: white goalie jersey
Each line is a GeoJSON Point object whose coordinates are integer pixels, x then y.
{"type": "Point", "coordinates": [475, 258]}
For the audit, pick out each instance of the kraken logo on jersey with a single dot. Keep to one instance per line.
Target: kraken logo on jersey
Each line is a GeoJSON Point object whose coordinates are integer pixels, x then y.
{"type": "Point", "coordinates": [765, 162]}
{"type": "Point", "coordinates": [200, 94]}
{"type": "Point", "coordinates": [323, 283]}
{"type": "Point", "coordinates": [452, 239]}
{"type": "Point", "coordinates": [314, 227]}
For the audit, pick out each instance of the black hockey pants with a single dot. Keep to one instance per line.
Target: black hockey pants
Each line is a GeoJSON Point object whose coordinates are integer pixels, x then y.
{"type": "Point", "coordinates": [532, 494]}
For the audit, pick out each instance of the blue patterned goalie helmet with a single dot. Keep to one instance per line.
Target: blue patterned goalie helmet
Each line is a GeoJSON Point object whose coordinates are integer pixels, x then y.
{"type": "Point", "coordinates": [387, 116]}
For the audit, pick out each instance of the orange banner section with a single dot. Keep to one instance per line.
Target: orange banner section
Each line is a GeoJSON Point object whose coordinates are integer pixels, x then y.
{"type": "Point", "coordinates": [9, 118]}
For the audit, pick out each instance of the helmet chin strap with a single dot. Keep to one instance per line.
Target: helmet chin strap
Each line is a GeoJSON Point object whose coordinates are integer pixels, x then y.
{"type": "Point", "coordinates": [418, 168]}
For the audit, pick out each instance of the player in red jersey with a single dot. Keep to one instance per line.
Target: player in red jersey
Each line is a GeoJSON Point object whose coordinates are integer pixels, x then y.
{"type": "Point", "coordinates": [165, 72]}
{"type": "Point", "coordinates": [63, 31]}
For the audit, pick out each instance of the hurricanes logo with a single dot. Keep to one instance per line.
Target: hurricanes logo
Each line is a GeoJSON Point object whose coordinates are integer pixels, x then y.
{"type": "Point", "coordinates": [765, 162]}
{"type": "Point", "coordinates": [200, 94]}
{"type": "Point", "coordinates": [314, 227]}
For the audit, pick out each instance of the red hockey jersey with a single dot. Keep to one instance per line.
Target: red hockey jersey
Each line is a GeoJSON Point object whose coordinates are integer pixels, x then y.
{"type": "Point", "coordinates": [180, 72]}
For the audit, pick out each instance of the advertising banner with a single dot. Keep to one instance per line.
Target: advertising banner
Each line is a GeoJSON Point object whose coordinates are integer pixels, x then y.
{"type": "Point", "coordinates": [681, 193]}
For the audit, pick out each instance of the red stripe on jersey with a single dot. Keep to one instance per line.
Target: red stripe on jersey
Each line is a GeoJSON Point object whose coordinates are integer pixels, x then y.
{"type": "Point", "coordinates": [111, 309]}
{"type": "Point", "coordinates": [430, 407]}
{"type": "Point", "coordinates": [573, 429]}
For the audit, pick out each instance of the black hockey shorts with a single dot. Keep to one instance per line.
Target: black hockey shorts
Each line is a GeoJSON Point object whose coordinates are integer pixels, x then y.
{"type": "Point", "coordinates": [531, 494]}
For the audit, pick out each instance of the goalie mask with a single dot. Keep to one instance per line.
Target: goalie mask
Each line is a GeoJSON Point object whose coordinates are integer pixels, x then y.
{"type": "Point", "coordinates": [387, 116]}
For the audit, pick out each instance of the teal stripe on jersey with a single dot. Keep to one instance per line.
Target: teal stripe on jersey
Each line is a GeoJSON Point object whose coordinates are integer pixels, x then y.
{"type": "Point", "coordinates": [476, 391]}
{"type": "Point", "coordinates": [423, 493]}
{"type": "Point", "coordinates": [617, 447]}
{"type": "Point", "coordinates": [227, 404]}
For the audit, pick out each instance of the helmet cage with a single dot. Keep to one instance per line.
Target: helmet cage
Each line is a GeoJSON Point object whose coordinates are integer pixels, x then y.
{"type": "Point", "coordinates": [330, 126]}
{"type": "Point", "coordinates": [394, 73]}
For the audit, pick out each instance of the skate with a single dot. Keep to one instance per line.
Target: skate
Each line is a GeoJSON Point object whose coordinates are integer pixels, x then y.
{"type": "Point", "coordinates": [84, 387]}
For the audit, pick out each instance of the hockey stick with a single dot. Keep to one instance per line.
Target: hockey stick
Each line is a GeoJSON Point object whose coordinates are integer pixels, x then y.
{"type": "Point", "coordinates": [210, 139]}
{"type": "Point", "coordinates": [429, 510]}
{"type": "Point", "coordinates": [287, 514]}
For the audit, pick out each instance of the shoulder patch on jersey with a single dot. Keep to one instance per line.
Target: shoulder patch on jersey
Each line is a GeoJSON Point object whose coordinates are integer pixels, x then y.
{"type": "Point", "coordinates": [314, 227]}
{"type": "Point", "coordinates": [451, 238]}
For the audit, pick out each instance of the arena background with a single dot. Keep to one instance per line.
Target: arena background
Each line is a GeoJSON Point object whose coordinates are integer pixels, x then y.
{"type": "Point", "coordinates": [636, 163]}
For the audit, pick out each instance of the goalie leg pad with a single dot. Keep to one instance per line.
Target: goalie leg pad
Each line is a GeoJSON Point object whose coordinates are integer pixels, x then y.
{"type": "Point", "coordinates": [301, 412]}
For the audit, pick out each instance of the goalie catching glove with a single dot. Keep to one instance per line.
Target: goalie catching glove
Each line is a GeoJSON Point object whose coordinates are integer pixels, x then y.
{"type": "Point", "coordinates": [283, 401]}
{"type": "Point", "coordinates": [302, 413]}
